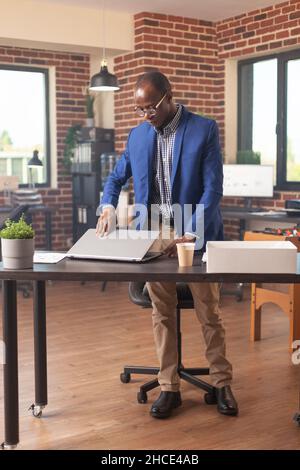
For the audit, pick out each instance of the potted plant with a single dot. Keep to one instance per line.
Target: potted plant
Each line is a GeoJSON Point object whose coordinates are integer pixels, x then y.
{"type": "Point", "coordinates": [17, 244]}
{"type": "Point", "coordinates": [248, 157]}
{"type": "Point", "coordinates": [71, 139]}
{"type": "Point", "coordinates": [89, 102]}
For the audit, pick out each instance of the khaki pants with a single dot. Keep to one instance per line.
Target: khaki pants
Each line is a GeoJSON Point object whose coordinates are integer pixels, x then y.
{"type": "Point", "coordinates": [206, 302]}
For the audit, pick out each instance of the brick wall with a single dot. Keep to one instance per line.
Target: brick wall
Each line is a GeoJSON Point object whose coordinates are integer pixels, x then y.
{"type": "Point", "coordinates": [192, 54]}
{"type": "Point", "coordinates": [185, 49]}
{"type": "Point", "coordinates": [265, 31]}
{"type": "Point", "coordinates": [190, 51]}
{"type": "Point", "coordinates": [72, 73]}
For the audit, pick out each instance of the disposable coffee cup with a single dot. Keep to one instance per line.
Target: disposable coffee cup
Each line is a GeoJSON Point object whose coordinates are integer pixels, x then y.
{"type": "Point", "coordinates": [185, 253]}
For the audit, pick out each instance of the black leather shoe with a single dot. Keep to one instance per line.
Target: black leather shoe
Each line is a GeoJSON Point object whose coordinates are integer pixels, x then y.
{"type": "Point", "coordinates": [165, 404]}
{"type": "Point", "coordinates": [227, 404]}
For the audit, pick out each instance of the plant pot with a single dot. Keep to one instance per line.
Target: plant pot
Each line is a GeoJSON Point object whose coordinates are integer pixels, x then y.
{"type": "Point", "coordinates": [89, 122]}
{"type": "Point", "coordinates": [17, 253]}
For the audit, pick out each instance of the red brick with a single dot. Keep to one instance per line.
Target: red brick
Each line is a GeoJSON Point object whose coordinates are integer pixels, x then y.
{"type": "Point", "coordinates": [175, 49]}
{"type": "Point", "coordinates": [5, 58]}
{"type": "Point", "coordinates": [138, 16]}
{"type": "Point", "coordinates": [191, 35]}
{"type": "Point", "coordinates": [176, 34]}
{"type": "Point", "coordinates": [181, 27]}
{"type": "Point", "coordinates": [118, 60]}
{"type": "Point", "coordinates": [266, 23]}
{"type": "Point", "coordinates": [295, 31]}
{"type": "Point", "coordinates": [254, 41]}
{"type": "Point", "coordinates": [175, 19]}
{"type": "Point", "coordinates": [192, 21]}
{"type": "Point", "coordinates": [268, 37]}
{"type": "Point", "coordinates": [278, 6]}
{"type": "Point", "coordinates": [247, 20]}
{"type": "Point", "coordinates": [15, 52]}
{"type": "Point", "coordinates": [166, 24]}
{"type": "Point", "coordinates": [290, 42]}
{"type": "Point", "coordinates": [288, 9]}
{"type": "Point", "coordinates": [282, 19]}
{"type": "Point", "coordinates": [166, 40]}
{"type": "Point", "coordinates": [267, 9]}
{"type": "Point", "coordinates": [282, 34]}
{"type": "Point", "coordinates": [276, 45]}
{"type": "Point", "coordinates": [159, 16]}
{"type": "Point", "coordinates": [295, 15]}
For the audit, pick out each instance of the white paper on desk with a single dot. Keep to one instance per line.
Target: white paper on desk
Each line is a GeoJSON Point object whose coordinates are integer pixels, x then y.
{"type": "Point", "coordinates": [48, 257]}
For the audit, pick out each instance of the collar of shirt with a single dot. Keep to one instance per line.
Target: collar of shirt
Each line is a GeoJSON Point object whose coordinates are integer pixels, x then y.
{"type": "Point", "coordinates": [172, 126]}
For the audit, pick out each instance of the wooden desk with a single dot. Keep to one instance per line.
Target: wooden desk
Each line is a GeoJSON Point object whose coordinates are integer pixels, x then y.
{"type": "Point", "coordinates": [161, 269]}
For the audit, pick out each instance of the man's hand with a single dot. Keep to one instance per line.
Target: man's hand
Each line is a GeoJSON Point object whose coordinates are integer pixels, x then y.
{"type": "Point", "coordinates": [171, 249]}
{"type": "Point", "coordinates": [106, 222]}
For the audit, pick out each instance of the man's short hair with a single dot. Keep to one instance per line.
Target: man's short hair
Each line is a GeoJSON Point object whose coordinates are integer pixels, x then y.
{"type": "Point", "coordinates": [157, 79]}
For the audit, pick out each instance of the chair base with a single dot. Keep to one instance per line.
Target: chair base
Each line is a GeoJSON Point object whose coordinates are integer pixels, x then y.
{"type": "Point", "coordinates": [188, 374]}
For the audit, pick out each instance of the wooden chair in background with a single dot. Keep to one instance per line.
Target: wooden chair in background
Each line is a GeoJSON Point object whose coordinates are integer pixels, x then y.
{"type": "Point", "coordinates": [288, 301]}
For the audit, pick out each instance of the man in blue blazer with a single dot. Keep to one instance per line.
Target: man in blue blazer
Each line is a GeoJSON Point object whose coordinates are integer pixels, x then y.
{"type": "Point", "coordinates": [175, 160]}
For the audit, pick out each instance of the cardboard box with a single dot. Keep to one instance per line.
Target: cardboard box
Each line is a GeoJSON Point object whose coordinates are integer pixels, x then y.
{"type": "Point", "coordinates": [251, 257]}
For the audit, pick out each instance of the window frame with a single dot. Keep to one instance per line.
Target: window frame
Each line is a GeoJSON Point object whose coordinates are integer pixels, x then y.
{"type": "Point", "coordinates": [281, 127]}
{"type": "Point", "coordinates": [45, 72]}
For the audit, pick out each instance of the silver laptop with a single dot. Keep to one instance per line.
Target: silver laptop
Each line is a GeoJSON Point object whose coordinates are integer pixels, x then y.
{"type": "Point", "coordinates": [120, 245]}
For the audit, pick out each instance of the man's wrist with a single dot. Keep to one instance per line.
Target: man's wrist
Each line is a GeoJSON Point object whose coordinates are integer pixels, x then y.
{"type": "Point", "coordinates": [191, 237]}
{"type": "Point", "coordinates": [102, 207]}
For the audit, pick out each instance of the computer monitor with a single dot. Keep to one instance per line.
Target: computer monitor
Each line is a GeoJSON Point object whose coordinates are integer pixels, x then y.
{"type": "Point", "coordinates": [248, 181]}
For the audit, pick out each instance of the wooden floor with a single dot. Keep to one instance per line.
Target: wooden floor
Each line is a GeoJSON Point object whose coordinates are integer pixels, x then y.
{"type": "Point", "coordinates": [91, 335]}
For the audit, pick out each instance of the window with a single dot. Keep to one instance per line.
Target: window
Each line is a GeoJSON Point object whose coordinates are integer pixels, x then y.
{"type": "Point", "coordinates": [24, 123]}
{"type": "Point", "coordinates": [269, 100]}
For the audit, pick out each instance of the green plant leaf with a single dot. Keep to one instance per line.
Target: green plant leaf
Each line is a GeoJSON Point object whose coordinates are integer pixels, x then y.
{"type": "Point", "coordinates": [17, 230]}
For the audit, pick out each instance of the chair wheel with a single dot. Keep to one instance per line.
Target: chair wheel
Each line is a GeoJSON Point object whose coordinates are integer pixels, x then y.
{"type": "Point", "coordinates": [296, 419]}
{"type": "Point", "coordinates": [125, 378]}
{"type": "Point", "coordinates": [142, 397]}
{"type": "Point", "coordinates": [210, 399]}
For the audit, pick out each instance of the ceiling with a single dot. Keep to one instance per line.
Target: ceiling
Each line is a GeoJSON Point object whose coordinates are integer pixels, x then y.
{"type": "Point", "coordinates": [211, 10]}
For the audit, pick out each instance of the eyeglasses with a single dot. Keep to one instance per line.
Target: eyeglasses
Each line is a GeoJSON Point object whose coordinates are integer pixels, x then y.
{"type": "Point", "coordinates": [151, 111]}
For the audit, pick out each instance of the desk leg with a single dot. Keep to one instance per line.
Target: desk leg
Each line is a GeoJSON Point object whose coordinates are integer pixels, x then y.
{"type": "Point", "coordinates": [243, 226]}
{"type": "Point", "coordinates": [40, 349]}
{"type": "Point", "coordinates": [10, 368]}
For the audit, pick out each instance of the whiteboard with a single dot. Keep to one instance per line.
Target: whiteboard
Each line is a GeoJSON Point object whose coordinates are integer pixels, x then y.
{"type": "Point", "coordinates": [248, 180]}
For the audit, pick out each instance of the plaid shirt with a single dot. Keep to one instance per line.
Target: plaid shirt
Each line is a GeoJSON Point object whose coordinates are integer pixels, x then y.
{"type": "Point", "coordinates": [162, 167]}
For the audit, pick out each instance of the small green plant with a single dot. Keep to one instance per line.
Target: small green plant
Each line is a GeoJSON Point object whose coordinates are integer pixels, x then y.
{"type": "Point", "coordinates": [89, 103]}
{"type": "Point", "coordinates": [248, 157]}
{"type": "Point", "coordinates": [14, 230]}
{"type": "Point", "coordinates": [71, 139]}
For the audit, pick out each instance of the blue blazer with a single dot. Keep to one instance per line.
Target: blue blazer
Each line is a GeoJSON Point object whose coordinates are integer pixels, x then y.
{"type": "Point", "coordinates": [197, 174]}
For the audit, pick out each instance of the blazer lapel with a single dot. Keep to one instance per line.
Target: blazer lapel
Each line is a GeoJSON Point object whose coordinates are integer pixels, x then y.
{"type": "Point", "coordinates": [178, 144]}
{"type": "Point", "coordinates": [151, 149]}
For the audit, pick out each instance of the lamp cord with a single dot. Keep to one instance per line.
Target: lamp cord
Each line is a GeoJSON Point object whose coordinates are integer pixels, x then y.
{"type": "Point", "coordinates": [103, 28]}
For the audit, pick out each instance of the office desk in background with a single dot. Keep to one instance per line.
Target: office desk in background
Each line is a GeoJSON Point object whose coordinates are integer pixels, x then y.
{"type": "Point", "coordinates": [162, 269]}
{"type": "Point", "coordinates": [245, 216]}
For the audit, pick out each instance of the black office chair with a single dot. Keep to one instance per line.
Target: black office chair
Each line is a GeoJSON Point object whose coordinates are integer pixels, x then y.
{"type": "Point", "coordinates": [138, 294]}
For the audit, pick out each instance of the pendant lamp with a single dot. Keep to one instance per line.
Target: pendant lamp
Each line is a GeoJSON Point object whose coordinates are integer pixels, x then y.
{"type": "Point", "coordinates": [104, 81]}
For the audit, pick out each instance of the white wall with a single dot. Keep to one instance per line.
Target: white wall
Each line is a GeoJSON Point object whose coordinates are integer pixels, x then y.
{"type": "Point", "coordinates": [231, 105]}
{"type": "Point", "coordinates": [53, 26]}
{"type": "Point", "coordinates": [55, 23]}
